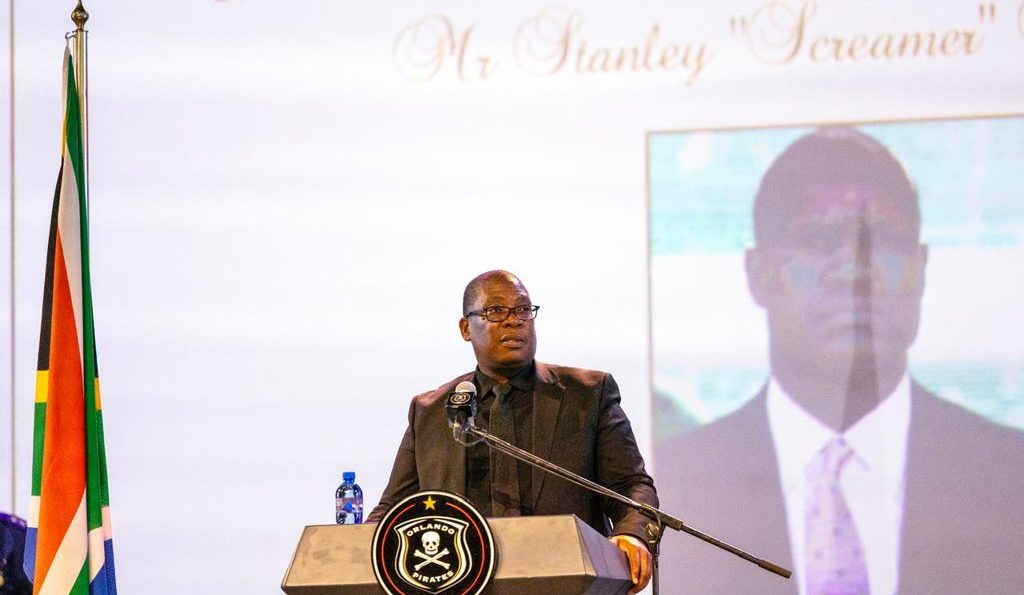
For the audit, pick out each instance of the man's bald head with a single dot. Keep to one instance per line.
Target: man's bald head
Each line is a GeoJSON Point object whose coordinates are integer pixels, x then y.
{"type": "Point", "coordinates": [473, 288]}
{"type": "Point", "coordinates": [832, 156]}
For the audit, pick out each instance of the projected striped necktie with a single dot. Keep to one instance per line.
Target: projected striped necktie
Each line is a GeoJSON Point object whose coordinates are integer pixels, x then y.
{"type": "Point", "coordinates": [504, 471]}
{"type": "Point", "coordinates": [835, 557]}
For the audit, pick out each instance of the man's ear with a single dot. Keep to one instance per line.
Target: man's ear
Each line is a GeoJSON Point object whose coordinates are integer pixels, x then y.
{"type": "Point", "coordinates": [920, 265]}
{"type": "Point", "coordinates": [759, 275]}
{"type": "Point", "coordinates": [464, 328]}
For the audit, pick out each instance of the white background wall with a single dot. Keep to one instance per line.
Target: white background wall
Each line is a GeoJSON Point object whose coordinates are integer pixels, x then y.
{"type": "Point", "coordinates": [283, 223]}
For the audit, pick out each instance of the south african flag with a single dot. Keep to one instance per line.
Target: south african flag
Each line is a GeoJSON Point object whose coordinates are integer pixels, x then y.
{"type": "Point", "coordinates": [69, 548]}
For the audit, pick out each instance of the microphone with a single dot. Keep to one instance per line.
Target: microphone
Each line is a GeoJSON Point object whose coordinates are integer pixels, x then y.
{"type": "Point", "coordinates": [462, 408]}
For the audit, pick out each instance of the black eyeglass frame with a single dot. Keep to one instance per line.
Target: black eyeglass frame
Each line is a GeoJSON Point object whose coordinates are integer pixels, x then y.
{"type": "Point", "coordinates": [525, 312]}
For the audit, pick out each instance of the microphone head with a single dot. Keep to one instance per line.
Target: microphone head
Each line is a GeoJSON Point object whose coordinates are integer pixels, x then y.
{"type": "Point", "coordinates": [461, 405]}
{"type": "Point", "coordinates": [465, 387]}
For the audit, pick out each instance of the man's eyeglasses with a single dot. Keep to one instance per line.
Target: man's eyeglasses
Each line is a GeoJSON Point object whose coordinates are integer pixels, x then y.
{"type": "Point", "coordinates": [500, 313]}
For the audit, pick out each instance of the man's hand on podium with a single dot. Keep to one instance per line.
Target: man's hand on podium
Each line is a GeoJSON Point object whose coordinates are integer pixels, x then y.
{"type": "Point", "coordinates": [639, 560]}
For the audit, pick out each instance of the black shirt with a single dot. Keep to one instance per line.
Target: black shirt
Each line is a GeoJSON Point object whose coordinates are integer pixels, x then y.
{"type": "Point", "coordinates": [479, 456]}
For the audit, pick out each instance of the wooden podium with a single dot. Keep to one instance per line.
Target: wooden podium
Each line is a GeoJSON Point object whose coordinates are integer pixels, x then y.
{"type": "Point", "coordinates": [536, 554]}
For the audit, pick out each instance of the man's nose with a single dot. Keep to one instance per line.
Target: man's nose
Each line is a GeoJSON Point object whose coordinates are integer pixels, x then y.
{"type": "Point", "coordinates": [852, 260]}
{"type": "Point", "coordinates": [512, 320]}
{"type": "Point", "coordinates": [850, 265]}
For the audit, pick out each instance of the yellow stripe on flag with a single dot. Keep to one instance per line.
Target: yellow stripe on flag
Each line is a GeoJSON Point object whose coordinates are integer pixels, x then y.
{"type": "Point", "coordinates": [42, 385]}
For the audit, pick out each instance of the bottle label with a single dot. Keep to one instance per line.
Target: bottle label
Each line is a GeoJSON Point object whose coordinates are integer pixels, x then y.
{"type": "Point", "coordinates": [348, 510]}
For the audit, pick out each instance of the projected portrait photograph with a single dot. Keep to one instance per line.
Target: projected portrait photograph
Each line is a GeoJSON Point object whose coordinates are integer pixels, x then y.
{"type": "Point", "coordinates": [837, 355]}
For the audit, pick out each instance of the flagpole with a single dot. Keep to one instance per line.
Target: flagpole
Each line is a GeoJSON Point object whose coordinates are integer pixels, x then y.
{"type": "Point", "coordinates": [13, 309]}
{"type": "Point", "coordinates": [81, 53]}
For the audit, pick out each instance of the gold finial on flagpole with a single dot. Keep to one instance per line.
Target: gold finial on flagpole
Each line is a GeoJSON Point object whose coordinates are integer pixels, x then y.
{"type": "Point", "coordinates": [79, 16]}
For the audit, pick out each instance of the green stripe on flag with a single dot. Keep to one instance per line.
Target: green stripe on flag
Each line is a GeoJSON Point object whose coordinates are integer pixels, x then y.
{"type": "Point", "coordinates": [38, 439]}
{"type": "Point", "coordinates": [104, 486]}
{"type": "Point", "coordinates": [81, 586]}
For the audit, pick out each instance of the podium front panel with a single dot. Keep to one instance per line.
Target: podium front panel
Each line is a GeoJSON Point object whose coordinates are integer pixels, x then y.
{"type": "Point", "coordinates": [536, 554]}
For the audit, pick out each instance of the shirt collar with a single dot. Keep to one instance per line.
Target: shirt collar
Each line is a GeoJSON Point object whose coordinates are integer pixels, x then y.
{"type": "Point", "coordinates": [880, 437]}
{"type": "Point", "coordinates": [799, 436]}
{"type": "Point", "coordinates": [522, 380]}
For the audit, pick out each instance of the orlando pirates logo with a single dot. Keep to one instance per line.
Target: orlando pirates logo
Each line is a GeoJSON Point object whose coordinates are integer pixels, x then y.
{"type": "Point", "coordinates": [438, 552]}
{"type": "Point", "coordinates": [433, 543]}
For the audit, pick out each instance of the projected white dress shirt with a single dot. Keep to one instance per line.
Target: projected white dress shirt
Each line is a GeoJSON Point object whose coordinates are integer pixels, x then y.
{"type": "Point", "coordinates": [873, 481]}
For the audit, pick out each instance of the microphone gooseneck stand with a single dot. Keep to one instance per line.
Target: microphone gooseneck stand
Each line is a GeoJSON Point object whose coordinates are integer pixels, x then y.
{"type": "Point", "coordinates": [659, 519]}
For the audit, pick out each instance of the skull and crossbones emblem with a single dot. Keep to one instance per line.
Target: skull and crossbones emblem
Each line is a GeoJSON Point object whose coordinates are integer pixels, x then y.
{"type": "Point", "coordinates": [431, 542]}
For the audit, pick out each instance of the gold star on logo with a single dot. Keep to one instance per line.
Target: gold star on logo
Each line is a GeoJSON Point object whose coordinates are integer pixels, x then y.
{"type": "Point", "coordinates": [429, 503]}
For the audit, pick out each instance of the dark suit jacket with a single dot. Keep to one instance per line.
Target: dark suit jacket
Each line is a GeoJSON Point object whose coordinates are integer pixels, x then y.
{"type": "Point", "coordinates": [577, 423]}
{"type": "Point", "coordinates": [963, 525]}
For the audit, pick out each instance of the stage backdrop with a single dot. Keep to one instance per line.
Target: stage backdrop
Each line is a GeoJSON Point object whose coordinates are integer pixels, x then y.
{"type": "Point", "coordinates": [288, 199]}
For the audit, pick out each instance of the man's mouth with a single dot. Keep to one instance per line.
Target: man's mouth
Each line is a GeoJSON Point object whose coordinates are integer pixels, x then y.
{"type": "Point", "coordinates": [852, 317]}
{"type": "Point", "coordinates": [512, 341]}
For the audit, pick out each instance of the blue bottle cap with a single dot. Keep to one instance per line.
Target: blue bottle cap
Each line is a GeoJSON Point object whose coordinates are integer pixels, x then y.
{"type": "Point", "coordinates": [348, 476]}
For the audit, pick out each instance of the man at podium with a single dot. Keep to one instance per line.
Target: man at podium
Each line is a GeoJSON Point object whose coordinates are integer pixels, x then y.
{"type": "Point", "coordinates": [568, 416]}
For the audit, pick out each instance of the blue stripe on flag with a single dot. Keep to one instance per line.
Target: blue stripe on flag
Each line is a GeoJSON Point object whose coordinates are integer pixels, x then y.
{"type": "Point", "coordinates": [30, 553]}
{"type": "Point", "coordinates": [104, 583]}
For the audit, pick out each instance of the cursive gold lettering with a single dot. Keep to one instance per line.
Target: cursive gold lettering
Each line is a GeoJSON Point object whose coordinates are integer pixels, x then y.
{"type": "Point", "coordinates": [423, 48]}
{"type": "Point", "coordinates": [486, 65]}
{"type": "Point", "coordinates": [543, 42]}
{"type": "Point", "coordinates": [780, 32]}
{"type": "Point", "coordinates": [552, 42]}
{"type": "Point", "coordinates": [857, 47]}
{"type": "Point", "coordinates": [667, 55]}
{"type": "Point", "coordinates": [775, 32]}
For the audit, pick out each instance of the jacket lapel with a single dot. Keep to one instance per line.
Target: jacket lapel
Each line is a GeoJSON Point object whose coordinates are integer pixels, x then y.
{"type": "Point", "coordinates": [547, 403]}
{"type": "Point", "coordinates": [933, 515]}
{"type": "Point", "coordinates": [768, 504]}
{"type": "Point", "coordinates": [765, 529]}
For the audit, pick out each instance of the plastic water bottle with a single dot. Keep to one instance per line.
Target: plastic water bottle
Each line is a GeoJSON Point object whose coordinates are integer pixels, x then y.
{"type": "Point", "coordinates": [348, 501]}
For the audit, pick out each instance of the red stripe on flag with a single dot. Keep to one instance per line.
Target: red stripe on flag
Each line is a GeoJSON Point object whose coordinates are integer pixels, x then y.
{"type": "Point", "coordinates": [63, 474]}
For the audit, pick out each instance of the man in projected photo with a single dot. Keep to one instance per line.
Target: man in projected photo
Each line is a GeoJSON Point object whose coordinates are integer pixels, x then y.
{"type": "Point", "coordinates": [842, 467]}
{"type": "Point", "coordinates": [568, 416]}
